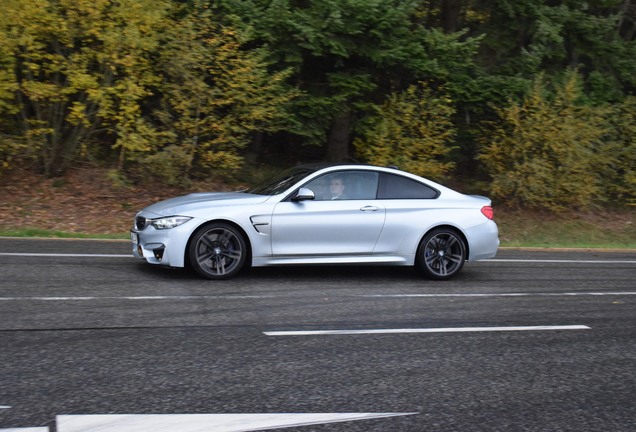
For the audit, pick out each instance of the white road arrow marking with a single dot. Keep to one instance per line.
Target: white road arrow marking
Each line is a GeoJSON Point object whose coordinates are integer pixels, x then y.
{"type": "Point", "coordinates": [204, 422]}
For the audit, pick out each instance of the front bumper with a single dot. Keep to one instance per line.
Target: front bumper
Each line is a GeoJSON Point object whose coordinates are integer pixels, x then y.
{"type": "Point", "coordinates": [154, 253]}
{"type": "Point", "coordinates": [162, 247]}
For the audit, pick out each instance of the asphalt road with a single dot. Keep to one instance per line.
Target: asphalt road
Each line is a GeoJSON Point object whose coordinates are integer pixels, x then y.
{"type": "Point", "coordinates": [530, 341]}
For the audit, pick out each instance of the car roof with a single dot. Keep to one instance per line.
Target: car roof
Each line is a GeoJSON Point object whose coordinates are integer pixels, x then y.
{"type": "Point", "coordinates": [387, 169]}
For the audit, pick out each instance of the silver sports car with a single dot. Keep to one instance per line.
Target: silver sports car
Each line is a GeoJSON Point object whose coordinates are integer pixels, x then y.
{"type": "Point", "coordinates": [328, 214]}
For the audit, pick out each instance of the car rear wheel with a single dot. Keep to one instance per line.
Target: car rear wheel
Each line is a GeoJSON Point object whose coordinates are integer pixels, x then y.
{"type": "Point", "coordinates": [441, 254]}
{"type": "Point", "coordinates": [217, 251]}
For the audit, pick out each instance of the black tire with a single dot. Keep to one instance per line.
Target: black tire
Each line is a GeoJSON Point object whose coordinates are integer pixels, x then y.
{"type": "Point", "coordinates": [217, 251]}
{"type": "Point", "coordinates": [441, 254]}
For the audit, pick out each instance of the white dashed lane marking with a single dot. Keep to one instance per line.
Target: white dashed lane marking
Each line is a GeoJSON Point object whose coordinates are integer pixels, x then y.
{"type": "Point", "coordinates": [424, 330]}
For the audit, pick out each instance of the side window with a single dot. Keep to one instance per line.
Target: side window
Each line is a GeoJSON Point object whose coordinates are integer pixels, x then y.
{"type": "Point", "coordinates": [397, 187]}
{"type": "Point", "coordinates": [347, 185]}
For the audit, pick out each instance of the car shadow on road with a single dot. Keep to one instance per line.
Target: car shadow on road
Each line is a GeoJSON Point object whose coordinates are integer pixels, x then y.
{"type": "Point", "coordinates": [339, 272]}
{"type": "Point", "coordinates": [351, 273]}
{"type": "Point", "coordinates": [288, 272]}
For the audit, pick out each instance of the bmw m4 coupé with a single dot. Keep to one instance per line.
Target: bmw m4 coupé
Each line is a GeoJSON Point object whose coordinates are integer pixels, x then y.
{"type": "Point", "coordinates": [329, 214]}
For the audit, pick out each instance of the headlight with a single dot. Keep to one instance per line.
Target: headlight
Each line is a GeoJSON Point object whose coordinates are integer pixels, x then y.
{"type": "Point", "coordinates": [169, 222]}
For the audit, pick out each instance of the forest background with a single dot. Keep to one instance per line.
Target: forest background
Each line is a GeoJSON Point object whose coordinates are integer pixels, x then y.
{"type": "Point", "coordinates": [531, 102]}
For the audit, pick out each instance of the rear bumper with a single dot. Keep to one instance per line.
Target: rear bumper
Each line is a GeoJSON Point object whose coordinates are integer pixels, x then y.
{"type": "Point", "coordinates": [483, 241]}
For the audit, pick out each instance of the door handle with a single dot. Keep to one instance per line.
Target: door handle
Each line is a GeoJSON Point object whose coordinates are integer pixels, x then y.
{"type": "Point", "coordinates": [369, 208]}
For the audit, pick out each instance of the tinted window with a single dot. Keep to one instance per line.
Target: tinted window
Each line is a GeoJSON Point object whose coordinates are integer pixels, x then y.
{"type": "Point", "coordinates": [347, 185]}
{"type": "Point", "coordinates": [398, 187]}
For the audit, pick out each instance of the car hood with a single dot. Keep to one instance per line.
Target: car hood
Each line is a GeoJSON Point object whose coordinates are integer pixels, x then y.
{"type": "Point", "coordinates": [194, 201]}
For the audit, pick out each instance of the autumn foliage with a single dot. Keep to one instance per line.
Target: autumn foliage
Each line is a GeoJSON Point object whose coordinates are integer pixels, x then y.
{"type": "Point", "coordinates": [533, 99]}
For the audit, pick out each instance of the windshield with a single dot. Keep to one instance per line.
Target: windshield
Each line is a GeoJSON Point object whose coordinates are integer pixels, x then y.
{"type": "Point", "coordinates": [281, 182]}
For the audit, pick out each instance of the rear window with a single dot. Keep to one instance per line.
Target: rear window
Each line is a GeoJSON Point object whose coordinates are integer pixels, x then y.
{"type": "Point", "coordinates": [398, 187]}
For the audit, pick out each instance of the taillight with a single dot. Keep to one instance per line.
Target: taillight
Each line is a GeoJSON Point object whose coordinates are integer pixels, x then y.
{"type": "Point", "coordinates": [488, 212]}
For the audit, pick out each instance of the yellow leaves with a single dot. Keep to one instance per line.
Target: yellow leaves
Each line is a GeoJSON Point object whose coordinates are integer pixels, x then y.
{"type": "Point", "coordinates": [217, 93]}
{"type": "Point", "coordinates": [135, 135]}
{"type": "Point", "coordinates": [8, 86]}
{"type": "Point", "coordinates": [413, 130]}
{"type": "Point", "coordinates": [77, 65]}
{"type": "Point", "coordinates": [222, 160]}
{"type": "Point", "coordinates": [41, 91]}
{"type": "Point", "coordinates": [37, 130]}
{"type": "Point", "coordinates": [541, 153]}
{"type": "Point", "coordinates": [77, 114]}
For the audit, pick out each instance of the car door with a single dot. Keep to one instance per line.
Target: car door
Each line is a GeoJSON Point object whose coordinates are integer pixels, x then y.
{"type": "Point", "coordinates": [348, 224]}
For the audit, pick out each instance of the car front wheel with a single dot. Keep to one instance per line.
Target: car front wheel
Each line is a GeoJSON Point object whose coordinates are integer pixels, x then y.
{"type": "Point", "coordinates": [441, 254]}
{"type": "Point", "coordinates": [217, 251]}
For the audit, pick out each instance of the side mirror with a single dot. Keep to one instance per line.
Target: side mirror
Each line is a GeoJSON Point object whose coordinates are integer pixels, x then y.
{"type": "Point", "coordinates": [304, 194]}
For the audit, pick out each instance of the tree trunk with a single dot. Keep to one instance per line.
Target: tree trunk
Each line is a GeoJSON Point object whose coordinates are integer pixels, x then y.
{"type": "Point", "coordinates": [626, 24]}
{"type": "Point", "coordinates": [450, 14]}
{"type": "Point", "coordinates": [338, 144]}
{"type": "Point", "coordinates": [254, 148]}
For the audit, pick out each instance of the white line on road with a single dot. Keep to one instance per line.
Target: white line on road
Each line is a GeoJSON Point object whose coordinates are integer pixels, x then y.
{"type": "Point", "coordinates": [424, 330]}
{"type": "Point", "coordinates": [566, 294]}
{"type": "Point", "coordinates": [240, 297]}
{"type": "Point", "coordinates": [136, 298]}
{"type": "Point", "coordinates": [502, 260]}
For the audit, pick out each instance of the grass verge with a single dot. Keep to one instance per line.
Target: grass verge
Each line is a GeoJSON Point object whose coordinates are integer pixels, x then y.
{"type": "Point", "coordinates": [607, 230]}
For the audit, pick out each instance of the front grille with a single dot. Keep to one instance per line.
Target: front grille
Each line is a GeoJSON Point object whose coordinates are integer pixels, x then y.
{"type": "Point", "coordinates": [140, 223]}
